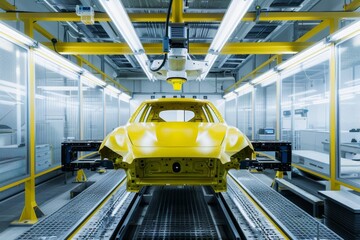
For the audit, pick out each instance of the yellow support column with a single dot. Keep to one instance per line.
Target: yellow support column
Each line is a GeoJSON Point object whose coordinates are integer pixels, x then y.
{"type": "Point", "coordinates": [31, 212]}
{"type": "Point", "coordinates": [279, 174]}
{"type": "Point", "coordinates": [278, 102]}
{"type": "Point", "coordinates": [177, 11]}
{"type": "Point", "coordinates": [333, 113]}
{"type": "Point", "coordinates": [80, 176]}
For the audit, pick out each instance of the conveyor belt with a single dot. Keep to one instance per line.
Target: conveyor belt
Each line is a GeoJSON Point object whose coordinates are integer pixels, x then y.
{"type": "Point", "coordinates": [177, 213]}
{"type": "Point", "coordinates": [183, 212]}
{"type": "Point", "coordinates": [294, 221]}
{"type": "Point", "coordinates": [103, 224]}
{"type": "Point", "coordinates": [252, 222]}
{"type": "Point", "coordinates": [62, 223]}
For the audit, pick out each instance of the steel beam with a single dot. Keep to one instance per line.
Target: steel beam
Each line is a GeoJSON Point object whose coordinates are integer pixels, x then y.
{"type": "Point", "coordinates": [178, 11]}
{"type": "Point", "coordinates": [187, 17]}
{"type": "Point", "coordinates": [354, 5]}
{"type": "Point", "coordinates": [313, 32]}
{"type": "Point", "coordinates": [29, 213]}
{"type": "Point", "coordinates": [75, 48]}
{"type": "Point", "coordinates": [5, 5]}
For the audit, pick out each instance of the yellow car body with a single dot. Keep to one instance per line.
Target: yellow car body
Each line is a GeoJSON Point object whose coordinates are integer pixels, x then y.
{"type": "Point", "coordinates": [192, 146]}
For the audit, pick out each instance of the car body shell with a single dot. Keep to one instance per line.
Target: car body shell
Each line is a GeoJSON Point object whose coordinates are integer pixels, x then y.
{"type": "Point", "coordinates": [196, 152]}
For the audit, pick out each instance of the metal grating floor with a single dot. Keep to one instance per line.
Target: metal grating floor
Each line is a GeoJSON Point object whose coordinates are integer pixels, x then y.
{"type": "Point", "coordinates": [104, 222]}
{"type": "Point", "coordinates": [177, 213]}
{"type": "Point", "coordinates": [251, 220]}
{"type": "Point", "coordinates": [293, 220]}
{"type": "Point", "coordinates": [61, 223]}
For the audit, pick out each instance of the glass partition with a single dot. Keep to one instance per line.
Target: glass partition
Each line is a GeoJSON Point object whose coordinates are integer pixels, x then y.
{"type": "Point", "coordinates": [349, 116]}
{"type": "Point", "coordinates": [230, 113]}
{"type": "Point", "coordinates": [265, 111]}
{"type": "Point", "coordinates": [93, 111]}
{"type": "Point", "coordinates": [305, 112]}
{"type": "Point", "coordinates": [56, 112]}
{"type": "Point", "coordinates": [13, 115]}
{"type": "Point", "coordinates": [111, 111]}
{"type": "Point", "coordinates": [124, 112]}
{"type": "Point", "coordinates": [245, 114]}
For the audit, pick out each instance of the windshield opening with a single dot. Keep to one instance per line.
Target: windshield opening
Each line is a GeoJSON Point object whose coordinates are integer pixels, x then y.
{"type": "Point", "coordinates": [176, 112]}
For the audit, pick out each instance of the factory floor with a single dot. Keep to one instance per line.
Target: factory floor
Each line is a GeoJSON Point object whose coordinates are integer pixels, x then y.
{"type": "Point", "coordinates": [50, 196]}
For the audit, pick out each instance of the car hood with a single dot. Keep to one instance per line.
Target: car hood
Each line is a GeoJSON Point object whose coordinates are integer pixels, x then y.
{"type": "Point", "coordinates": [176, 134]}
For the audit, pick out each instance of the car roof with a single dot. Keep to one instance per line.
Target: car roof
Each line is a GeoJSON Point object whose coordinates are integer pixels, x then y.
{"type": "Point", "coordinates": [159, 100]}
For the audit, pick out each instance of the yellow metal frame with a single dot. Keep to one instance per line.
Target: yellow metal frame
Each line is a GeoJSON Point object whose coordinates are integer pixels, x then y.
{"type": "Point", "coordinates": [14, 184]}
{"type": "Point", "coordinates": [5, 5]}
{"type": "Point", "coordinates": [47, 171]}
{"type": "Point", "coordinates": [322, 176]}
{"type": "Point", "coordinates": [75, 48]}
{"type": "Point", "coordinates": [187, 17]}
{"type": "Point", "coordinates": [354, 5]}
{"type": "Point", "coordinates": [333, 113]}
{"type": "Point", "coordinates": [333, 140]}
{"type": "Point", "coordinates": [80, 176]}
{"type": "Point", "coordinates": [177, 11]}
{"type": "Point", "coordinates": [28, 215]}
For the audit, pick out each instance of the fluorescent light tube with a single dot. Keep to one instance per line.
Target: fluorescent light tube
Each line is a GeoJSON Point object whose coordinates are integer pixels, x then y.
{"type": "Point", "coordinates": [57, 95]}
{"type": "Point", "coordinates": [345, 31]}
{"type": "Point", "coordinates": [347, 90]}
{"type": "Point", "coordinates": [233, 16]}
{"type": "Point", "coordinates": [8, 103]}
{"type": "Point", "coordinates": [303, 93]}
{"type": "Point", "coordinates": [112, 89]}
{"type": "Point", "coordinates": [57, 59]}
{"type": "Point", "coordinates": [314, 49]}
{"type": "Point", "coordinates": [120, 18]}
{"type": "Point", "coordinates": [49, 65]}
{"type": "Point", "coordinates": [210, 60]}
{"type": "Point", "coordinates": [302, 66]}
{"type": "Point", "coordinates": [269, 81]}
{"type": "Point", "coordinates": [7, 46]}
{"type": "Point", "coordinates": [90, 77]}
{"type": "Point", "coordinates": [269, 74]}
{"type": "Point", "coordinates": [14, 35]}
{"type": "Point", "coordinates": [60, 88]}
{"type": "Point", "coordinates": [230, 96]}
{"type": "Point", "coordinates": [124, 97]}
{"type": "Point", "coordinates": [244, 89]}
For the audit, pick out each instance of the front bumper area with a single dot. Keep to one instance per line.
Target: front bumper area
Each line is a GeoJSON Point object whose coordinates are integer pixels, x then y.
{"type": "Point", "coordinates": [178, 171]}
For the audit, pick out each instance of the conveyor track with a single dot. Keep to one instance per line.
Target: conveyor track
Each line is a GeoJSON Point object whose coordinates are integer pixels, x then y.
{"type": "Point", "coordinates": [103, 224]}
{"type": "Point", "coordinates": [60, 224]}
{"type": "Point", "coordinates": [178, 213]}
{"type": "Point", "coordinates": [251, 221]}
{"type": "Point", "coordinates": [295, 222]}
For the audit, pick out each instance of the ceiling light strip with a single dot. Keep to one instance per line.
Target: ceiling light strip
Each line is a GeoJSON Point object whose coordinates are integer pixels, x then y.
{"type": "Point", "coordinates": [120, 18]}
{"type": "Point", "coordinates": [235, 12]}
